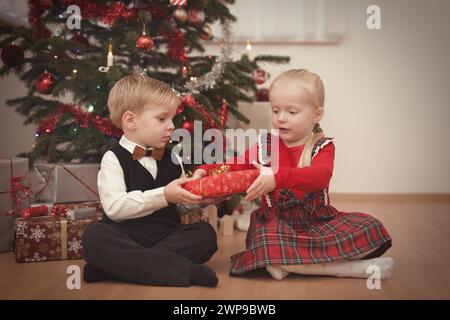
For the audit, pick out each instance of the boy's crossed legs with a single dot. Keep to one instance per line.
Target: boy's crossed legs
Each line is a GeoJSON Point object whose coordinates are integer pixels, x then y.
{"type": "Point", "coordinates": [174, 261]}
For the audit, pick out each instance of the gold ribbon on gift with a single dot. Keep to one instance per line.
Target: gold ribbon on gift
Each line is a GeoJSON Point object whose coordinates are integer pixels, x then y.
{"type": "Point", "coordinates": [222, 169]}
{"type": "Point", "coordinates": [63, 226]}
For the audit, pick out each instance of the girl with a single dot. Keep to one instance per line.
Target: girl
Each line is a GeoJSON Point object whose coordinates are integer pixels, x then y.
{"type": "Point", "coordinates": [296, 229]}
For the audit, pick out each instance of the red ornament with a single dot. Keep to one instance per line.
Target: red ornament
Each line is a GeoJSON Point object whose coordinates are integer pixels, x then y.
{"type": "Point", "coordinates": [12, 55]}
{"type": "Point", "coordinates": [44, 83]}
{"type": "Point", "coordinates": [189, 126]}
{"type": "Point", "coordinates": [260, 76]}
{"type": "Point", "coordinates": [144, 42]}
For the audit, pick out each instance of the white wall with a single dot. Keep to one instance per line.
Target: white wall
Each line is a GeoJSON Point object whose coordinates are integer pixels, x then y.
{"type": "Point", "coordinates": [14, 136]}
{"type": "Point", "coordinates": [388, 98]}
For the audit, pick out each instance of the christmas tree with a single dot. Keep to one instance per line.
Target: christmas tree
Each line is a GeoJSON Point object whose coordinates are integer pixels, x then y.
{"type": "Point", "coordinates": [75, 50]}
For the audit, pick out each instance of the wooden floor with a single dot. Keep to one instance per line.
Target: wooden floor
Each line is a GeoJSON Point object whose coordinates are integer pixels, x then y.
{"type": "Point", "coordinates": [420, 228]}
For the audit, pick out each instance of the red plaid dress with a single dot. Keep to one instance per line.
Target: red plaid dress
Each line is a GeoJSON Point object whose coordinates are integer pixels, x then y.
{"type": "Point", "coordinates": [306, 231]}
{"type": "Point", "coordinates": [297, 225]}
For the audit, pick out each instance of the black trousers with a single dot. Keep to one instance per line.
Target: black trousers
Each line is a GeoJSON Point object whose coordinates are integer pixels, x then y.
{"type": "Point", "coordinates": [166, 263]}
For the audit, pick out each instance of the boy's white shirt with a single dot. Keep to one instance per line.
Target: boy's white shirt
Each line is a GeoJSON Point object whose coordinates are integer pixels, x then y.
{"type": "Point", "coordinates": [119, 204]}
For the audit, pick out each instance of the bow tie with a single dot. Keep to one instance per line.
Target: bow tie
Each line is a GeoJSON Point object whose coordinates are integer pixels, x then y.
{"type": "Point", "coordinates": [139, 153]}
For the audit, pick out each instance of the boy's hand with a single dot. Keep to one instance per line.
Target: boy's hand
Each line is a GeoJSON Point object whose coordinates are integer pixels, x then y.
{"type": "Point", "coordinates": [263, 184]}
{"type": "Point", "coordinates": [176, 194]}
{"type": "Point", "coordinates": [199, 173]}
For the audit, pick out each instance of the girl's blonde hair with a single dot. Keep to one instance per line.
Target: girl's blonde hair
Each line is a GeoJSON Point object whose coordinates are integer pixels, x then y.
{"type": "Point", "coordinates": [313, 86]}
{"type": "Point", "coordinates": [134, 92]}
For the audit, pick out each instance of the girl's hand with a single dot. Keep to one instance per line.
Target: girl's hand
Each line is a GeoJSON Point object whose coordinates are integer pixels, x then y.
{"type": "Point", "coordinates": [265, 183]}
{"type": "Point", "coordinates": [199, 173]}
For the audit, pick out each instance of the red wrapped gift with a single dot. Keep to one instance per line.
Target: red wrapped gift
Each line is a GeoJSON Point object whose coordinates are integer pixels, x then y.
{"type": "Point", "coordinates": [49, 238]}
{"type": "Point", "coordinates": [37, 211]}
{"type": "Point", "coordinates": [222, 184]}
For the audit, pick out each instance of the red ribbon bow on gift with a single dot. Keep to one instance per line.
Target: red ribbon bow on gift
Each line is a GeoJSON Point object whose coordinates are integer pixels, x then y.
{"type": "Point", "coordinates": [18, 191]}
{"type": "Point", "coordinates": [59, 210]}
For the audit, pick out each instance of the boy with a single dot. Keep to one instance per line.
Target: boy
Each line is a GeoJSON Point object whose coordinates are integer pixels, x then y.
{"type": "Point", "coordinates": [140, 238]}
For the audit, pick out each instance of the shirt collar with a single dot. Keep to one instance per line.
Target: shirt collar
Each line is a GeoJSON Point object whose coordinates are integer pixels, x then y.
{"type": "Point", "coordinates": [129, 145]}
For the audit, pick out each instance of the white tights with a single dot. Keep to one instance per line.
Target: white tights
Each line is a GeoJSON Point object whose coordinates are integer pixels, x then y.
{"type": "Point", "coordinates": [354, 268]}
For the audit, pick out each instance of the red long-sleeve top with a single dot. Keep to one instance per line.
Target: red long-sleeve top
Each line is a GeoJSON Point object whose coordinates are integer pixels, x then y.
{"type": "Point", "coordinates": [300, 180]}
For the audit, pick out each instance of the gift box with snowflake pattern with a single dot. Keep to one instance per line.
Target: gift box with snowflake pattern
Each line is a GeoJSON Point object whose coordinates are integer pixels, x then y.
{"type": "Point", "coordinates": [49, 238]}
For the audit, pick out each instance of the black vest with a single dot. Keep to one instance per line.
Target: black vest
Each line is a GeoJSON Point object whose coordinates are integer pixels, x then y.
{"type": "Point", "coordinates": [137, 177]}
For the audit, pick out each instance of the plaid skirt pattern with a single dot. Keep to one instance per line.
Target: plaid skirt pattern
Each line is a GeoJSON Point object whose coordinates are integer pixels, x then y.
{"type": "Point", "coordinates": [307, 231]}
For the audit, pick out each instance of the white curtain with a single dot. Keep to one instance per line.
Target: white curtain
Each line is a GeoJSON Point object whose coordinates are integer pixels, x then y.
{"type": "Point", "coordinates": [289, 20]}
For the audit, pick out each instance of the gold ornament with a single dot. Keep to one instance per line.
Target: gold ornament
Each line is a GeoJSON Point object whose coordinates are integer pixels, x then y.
{"type": "Point", "coordinates": [206, 32]}
{"type": "Point", "coordinates": [180, 15]}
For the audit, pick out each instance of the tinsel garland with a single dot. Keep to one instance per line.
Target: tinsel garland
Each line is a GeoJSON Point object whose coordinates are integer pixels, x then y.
{"type": "Point", "coordinates": [175, 42]}
{"type": "Point", "coordinates": [82, 118]}
{"type": "Point", "coordinates": [190, 101]}
{"type": "Point", "coordinates": [208, 81]}
{"type": "Point", "coordinates": [36, 9]}
{"type": "Point", "coordinates": [109, 13]}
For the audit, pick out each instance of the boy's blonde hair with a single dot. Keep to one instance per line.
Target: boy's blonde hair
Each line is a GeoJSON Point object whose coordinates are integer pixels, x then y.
{"type": "Point", "coordinates": [313, 85]}
{"type": "Point", "coordinates": [135, 91]}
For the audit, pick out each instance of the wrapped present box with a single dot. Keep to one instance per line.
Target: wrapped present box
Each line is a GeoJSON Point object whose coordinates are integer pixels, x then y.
{"type": "Point", "coordinates": [49, 238]}
{"type": "Point", "coordinates": [15, 194]}
{"type": "Point", "coordinates": [65, 182]}
{"type": "Point", "coordinates": [77, 211]}
{"type": "Point", "coordinates": [222, 184]}
{"type": "Point", "coordinates": [71, 211]}
{"type": "Point", "coordinates": [81, 213]}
